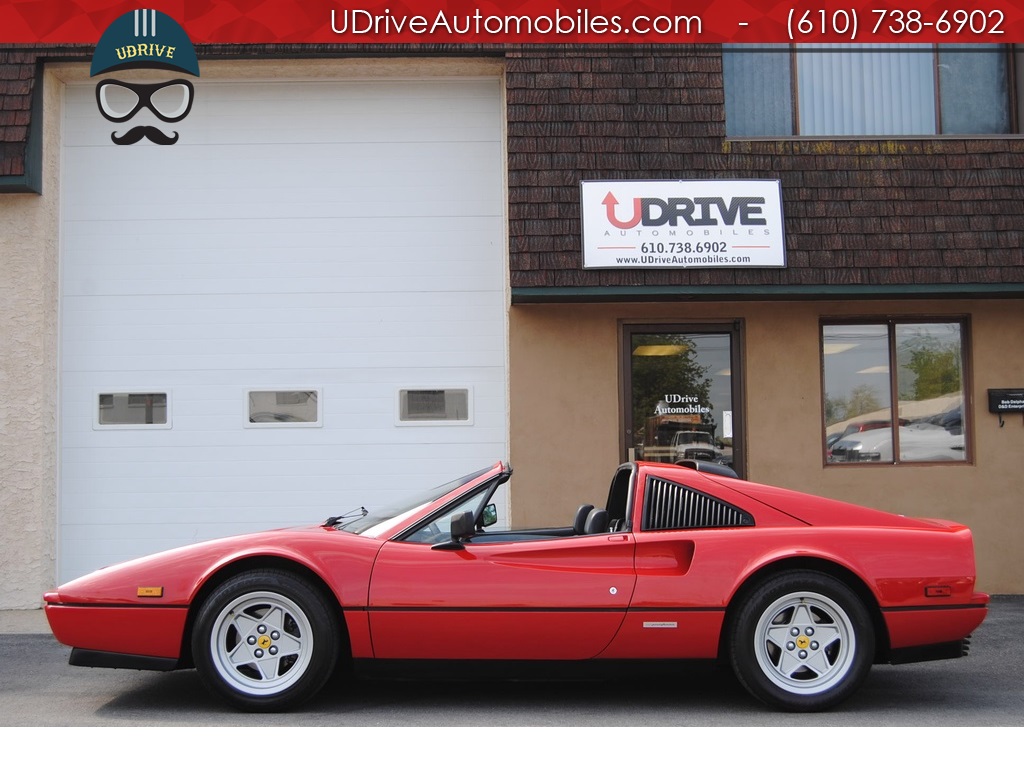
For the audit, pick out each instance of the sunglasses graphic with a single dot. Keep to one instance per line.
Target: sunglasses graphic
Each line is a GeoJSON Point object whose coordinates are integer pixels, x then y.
{"type": "Point", "coordinates": [170, 101]}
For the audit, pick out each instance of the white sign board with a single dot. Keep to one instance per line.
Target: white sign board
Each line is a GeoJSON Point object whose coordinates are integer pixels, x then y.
{"type": "Point", "coordinates": [676, 224]}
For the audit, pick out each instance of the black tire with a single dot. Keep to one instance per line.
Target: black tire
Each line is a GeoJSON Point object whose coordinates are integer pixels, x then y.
{"type": "Point", "coordinates": [802, 642]}
{"type": "Point", "coordinates": [265, 641]}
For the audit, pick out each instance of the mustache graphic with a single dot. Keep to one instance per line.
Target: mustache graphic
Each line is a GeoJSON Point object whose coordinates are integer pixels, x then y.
{"type": "Point", "coordinates": [140, 132]}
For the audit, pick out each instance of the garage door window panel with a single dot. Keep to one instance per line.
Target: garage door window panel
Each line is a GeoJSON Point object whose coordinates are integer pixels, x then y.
{"type": "Point", "coordinates": [452, 405]}
{"type": "Point", "coordinates": [133, 410]}
{"type": "Point", "coordinates": [284, 408]}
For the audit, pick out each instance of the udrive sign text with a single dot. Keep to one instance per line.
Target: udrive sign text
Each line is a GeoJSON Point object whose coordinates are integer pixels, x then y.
{"type": "Point", "coordinates": [682, 224]}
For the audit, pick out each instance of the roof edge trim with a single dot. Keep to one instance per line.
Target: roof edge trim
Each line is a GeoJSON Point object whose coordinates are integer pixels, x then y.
{"type": "Point", "coordinates": [616, 293]}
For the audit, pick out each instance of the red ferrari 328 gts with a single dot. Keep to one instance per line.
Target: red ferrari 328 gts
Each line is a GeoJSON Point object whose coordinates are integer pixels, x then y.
{"type": "Point", "coordinates": [800, 595]}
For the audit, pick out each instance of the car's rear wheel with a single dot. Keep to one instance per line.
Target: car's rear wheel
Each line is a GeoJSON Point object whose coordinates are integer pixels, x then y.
{"type": "Point", "coordinates": [802, 642]}
{"type": "Point", "coordinates": [265, 641]}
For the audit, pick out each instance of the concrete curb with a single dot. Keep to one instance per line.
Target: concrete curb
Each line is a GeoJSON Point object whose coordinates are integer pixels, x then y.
{"type": "Point", "coordinates": [28, 622]}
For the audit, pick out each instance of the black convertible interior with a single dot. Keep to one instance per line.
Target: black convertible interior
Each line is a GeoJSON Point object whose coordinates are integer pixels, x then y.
{"type": "Point", "coordinates": [587, 521]}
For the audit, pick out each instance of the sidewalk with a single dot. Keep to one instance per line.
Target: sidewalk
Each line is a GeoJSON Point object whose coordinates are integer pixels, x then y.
{"type": "Point", "coordinates": [29, 622]}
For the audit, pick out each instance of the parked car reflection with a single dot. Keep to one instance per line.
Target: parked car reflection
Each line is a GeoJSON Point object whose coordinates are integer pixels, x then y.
{"type": "Point", "coordinates": [920, 441]}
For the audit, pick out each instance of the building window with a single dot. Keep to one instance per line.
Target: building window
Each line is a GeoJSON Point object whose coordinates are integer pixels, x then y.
{"type": "Point", "coordinates": [681, 394]}
{"type": "Point", "coordinates": [866, 90]}
{"type": "Point", "coordinates": [284, 408]}
{"type": "Point", "coordinates": [894, 392]}
{"type": "Point", "coordinates": [418, 406]}
{"type": "Point", "coordinates": [133, 410]}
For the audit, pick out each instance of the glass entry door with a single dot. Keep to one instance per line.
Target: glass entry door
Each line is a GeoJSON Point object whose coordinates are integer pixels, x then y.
{"type": "Point", "coordinates": [681, 394]}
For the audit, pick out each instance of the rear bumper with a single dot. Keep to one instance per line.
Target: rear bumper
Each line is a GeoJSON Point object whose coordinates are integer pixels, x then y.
{"type": "Point", "coordinates": [933, 632]}
{"type": "Point", "coordinates": [955, 650]}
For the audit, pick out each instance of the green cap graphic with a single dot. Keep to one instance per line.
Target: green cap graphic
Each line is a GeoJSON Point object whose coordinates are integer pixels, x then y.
{"type": "Point", "coordinates": [144, 38]}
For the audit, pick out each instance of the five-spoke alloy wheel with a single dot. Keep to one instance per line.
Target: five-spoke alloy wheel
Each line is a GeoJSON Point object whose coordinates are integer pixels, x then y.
{"type": "Point", "coordinates": [802, 641]}
{"type": "Point", "coordinates": [265, 640]}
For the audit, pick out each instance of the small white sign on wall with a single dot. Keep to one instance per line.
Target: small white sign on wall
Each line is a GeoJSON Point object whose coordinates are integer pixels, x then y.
{"type": "Point", "coordinates": [676, 224]}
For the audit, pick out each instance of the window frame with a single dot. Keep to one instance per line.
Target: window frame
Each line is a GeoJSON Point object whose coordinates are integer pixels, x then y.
{"type": "Point", "coordinates": [403, 391]}
{"type": "Point", "coordinates": [891, 322]}
{"type": "Point", "coordinates": [1015, 106]}
{"type": "Point", "coordinates": [98, 424]}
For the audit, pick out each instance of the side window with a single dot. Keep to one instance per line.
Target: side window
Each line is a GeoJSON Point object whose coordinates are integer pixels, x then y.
{"type": "Point", "coordinates": [894, 392]}
{"type": "Point", "coordinates": [439, 529]}
{"type": "Point", "coordinates": [670, 506]}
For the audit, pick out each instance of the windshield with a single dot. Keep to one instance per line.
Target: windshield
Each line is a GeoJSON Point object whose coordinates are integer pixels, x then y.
{"type": "Point", "coordinates": [694, 437]}
{"type": "Point", "coordinates": [366, 521]}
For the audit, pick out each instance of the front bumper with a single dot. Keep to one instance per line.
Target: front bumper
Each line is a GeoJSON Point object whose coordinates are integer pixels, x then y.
{"type": "Point", "coordinates": [130, 630]}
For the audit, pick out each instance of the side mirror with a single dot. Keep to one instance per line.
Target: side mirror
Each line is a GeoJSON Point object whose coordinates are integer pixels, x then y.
{"type": "Point", "coordinates": [463, 527]}
{"type": "Point", "coordinates": [489, 516]}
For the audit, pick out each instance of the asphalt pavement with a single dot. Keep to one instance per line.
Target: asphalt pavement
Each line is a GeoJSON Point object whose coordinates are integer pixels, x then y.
{"type": "Point", "coordinates": [985, 689]}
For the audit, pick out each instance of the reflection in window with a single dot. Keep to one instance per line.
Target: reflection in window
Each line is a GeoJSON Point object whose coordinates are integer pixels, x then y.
{"type": "Point", "coordinates": [681, 390]}
{"type": "Point", "coordinates": [868, 90]}
{"type": "Point", "coordinates": [132, 409]}
{"type": "Point", "coordinates": [284, 407]}
{"type": "Point", "coordinates": [868, 367]}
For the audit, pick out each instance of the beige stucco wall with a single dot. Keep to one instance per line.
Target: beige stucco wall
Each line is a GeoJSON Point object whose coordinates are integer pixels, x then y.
{"type": "Point", "coordinates": [565, 415]}
{"type": "Point", "coordinates": [28, 380]}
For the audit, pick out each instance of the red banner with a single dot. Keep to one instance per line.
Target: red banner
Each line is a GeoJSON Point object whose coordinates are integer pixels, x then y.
{"type": "Point", "coordinates": [532, 21]}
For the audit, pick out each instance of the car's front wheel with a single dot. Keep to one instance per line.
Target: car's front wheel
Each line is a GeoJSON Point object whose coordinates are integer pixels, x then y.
{"type": "Point", "coordinates": [802, 642]}
{"type": "Point", "coordinates": [265, 641]}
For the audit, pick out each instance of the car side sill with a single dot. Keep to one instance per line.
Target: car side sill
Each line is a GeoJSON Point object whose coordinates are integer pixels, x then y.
{"type": "Point", "coordinates": [82, 657]}
{"type": "Point", "coordinates": [516, 669]}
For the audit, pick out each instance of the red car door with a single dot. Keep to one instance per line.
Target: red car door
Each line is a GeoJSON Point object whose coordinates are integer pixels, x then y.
{"type": "Point", "coordinates": [539, 598]}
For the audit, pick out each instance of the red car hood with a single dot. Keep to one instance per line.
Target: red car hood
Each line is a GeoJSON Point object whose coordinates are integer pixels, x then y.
{"type": "Point", "coordinates": [178, 572]}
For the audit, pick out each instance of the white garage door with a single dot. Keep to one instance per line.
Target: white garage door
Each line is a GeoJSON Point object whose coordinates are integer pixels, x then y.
{"type": "Point", "coordinates": [297, 309]}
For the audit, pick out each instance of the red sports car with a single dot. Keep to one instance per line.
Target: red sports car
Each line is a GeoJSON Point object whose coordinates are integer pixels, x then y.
{"type": "Point", "coordinates": [800, 595]}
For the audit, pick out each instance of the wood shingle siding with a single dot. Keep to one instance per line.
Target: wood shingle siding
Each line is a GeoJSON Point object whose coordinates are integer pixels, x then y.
{"type": "Point", "coordinates": [940, 212]}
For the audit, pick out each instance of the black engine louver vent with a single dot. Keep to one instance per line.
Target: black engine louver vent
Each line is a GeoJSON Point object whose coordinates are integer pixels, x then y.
{"type": "Point", "coordinates": [671, 507]}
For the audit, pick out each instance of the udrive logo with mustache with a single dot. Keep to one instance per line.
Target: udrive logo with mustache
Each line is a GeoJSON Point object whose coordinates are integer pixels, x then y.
{"type": "Point", "coordinates": [144, 39]}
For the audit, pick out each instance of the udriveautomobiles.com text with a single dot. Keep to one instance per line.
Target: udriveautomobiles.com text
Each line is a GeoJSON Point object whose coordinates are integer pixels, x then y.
{"type": "Point", "coordinates": [583, 22]}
